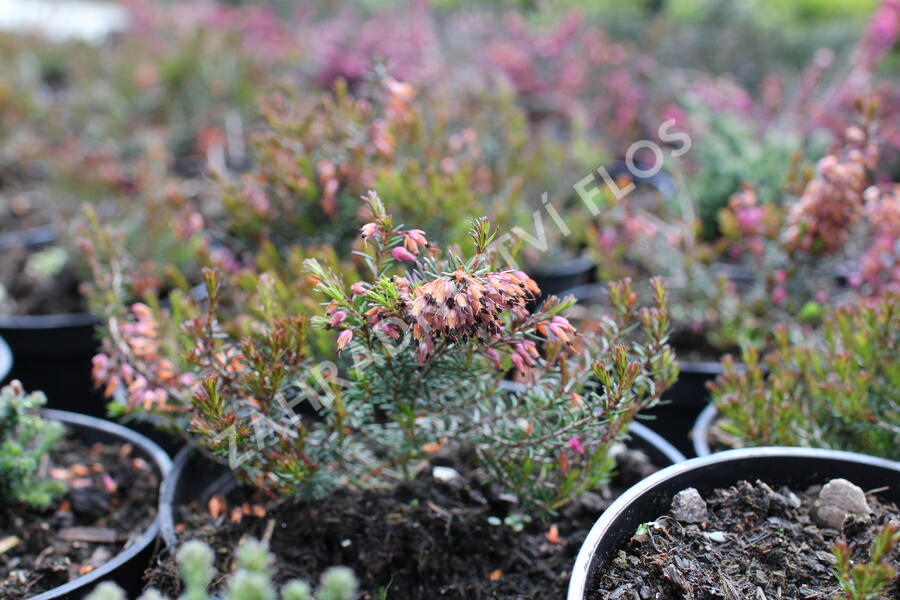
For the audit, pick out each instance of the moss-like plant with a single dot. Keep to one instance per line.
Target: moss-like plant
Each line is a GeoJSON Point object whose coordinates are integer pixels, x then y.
{"type": "Point", "coordinates": [839, 391]}
{"type": "Point", "coordinates": [251, 581]}
{"type": "Point", "coordinates": [25, 438]}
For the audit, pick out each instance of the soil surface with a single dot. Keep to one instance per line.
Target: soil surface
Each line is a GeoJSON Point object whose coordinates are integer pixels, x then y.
{"type": "Point", "coordinates": [37, 279]}
{"type": "Point", "coordinates": [112, 499]}
{"type": "Point", "coordinates": [755, 543]}
{"type": "Point", "coordinates": [425, 538]}
{"type": "Point", "coordinates": [26, 292]}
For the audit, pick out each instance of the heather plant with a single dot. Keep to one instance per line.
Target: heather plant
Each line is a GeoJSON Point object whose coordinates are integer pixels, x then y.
{"type": "Point", "coordinates": [25, 440]}
{"type": "Point", "coordinates": [424, 344]}
{"type": "Point", "coordinates": [838, 391]}
{"type": "Point", "coordinates": [251, 581]}
{"type": "Point", "coordinates": [435, 159]}
{"type": "Point", "coordinates": [448, 332]}
{"type": "Point", "coordinates": [868, 580]}
{"type": "Point", "coordinates": [827, 239]}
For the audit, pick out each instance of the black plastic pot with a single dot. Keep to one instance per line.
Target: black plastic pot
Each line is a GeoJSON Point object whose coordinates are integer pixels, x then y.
{"type": "Point", "coordinates": [6, 360]}
{"type": "Point", "coordinates": [651, 498]}
{"type": "Point", "coordinates": [126, 568]}
{"type": "Point", "coordinates": [196, 478]}
{"type": "Point", "coordinates": [684, 401]}
{"type": "Point", "coordinates": [674, 418]}
{"type": "Point", "coordinates": [53, 354]}
{"type": "Point", "coordinates": [556, 278]}
{"type": "Point", "coordinates": [27, 237]}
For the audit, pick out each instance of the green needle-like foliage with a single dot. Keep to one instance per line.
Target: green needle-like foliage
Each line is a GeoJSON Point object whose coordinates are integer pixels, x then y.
{"type": "Point", "coordinates": [25, 438]}
{"type": "Point", "coordinates": [838, 392]}
{"type": "Point", "coordinates": [867, 580]}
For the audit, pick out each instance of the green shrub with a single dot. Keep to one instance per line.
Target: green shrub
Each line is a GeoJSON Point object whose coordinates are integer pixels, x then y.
{"type": "Point", "coordinates": [421, 345]}
{"type": "Point", "coordinates": [25, 438]}
{"type": "Point", "coordinates": [838, 392]}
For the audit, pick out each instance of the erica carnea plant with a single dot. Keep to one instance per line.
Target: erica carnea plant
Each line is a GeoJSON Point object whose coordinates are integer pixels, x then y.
{"type": "Point", "coordinates": [436, 157]}
{"type": "Point", "coordinates": [839, 391]}
{"type": "Point", "coordinates": [251, 581]}
{"type": "Point", "coordinates": [25, 440]}
{"type": "Point", "coordinates": [867, 580]}
{"type": "Point", "coordinates": [431, 349]}
{"type": "Point", "coordinates": [424, 342]}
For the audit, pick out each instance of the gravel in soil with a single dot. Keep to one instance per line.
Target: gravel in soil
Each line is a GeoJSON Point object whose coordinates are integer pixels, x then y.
{"type": "Point", "coordinates": [426, 538]}
{"type": "Point", "coordinates": [748, 542]}
{"type": "Point", "coordinates": [112, 499]}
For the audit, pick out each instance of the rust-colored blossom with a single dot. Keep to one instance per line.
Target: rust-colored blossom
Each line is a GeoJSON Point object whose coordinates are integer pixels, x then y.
{"type": "Point", "coordinates": [832, 202]}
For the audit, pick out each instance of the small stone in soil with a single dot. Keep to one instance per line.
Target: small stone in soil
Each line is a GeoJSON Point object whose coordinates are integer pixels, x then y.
{"type": "Point", "coordinates": [838, 500]}
{"type": "Point", "coordinates": [444, 473]}
{"type": "Point", "coordinates": [688, 506]}
{"type": "Point", "coordinates": [89, 501]}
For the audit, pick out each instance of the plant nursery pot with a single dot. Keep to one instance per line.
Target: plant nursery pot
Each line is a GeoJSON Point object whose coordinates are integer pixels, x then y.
{"type": "Point", "coordinates": [6, 360]}
{"type": "Point", "coordinates": [28, 237]}
{"type": "Point", "coordinates": [127, 567]}
{"type": "Point", "coordinates": [194, 477]}
{"type": "Point", "coordinates": [554, 279]}
{"type": "Point", "coordinates": [57, 344]}
{"type": "Point", "coordinates": [651, 497]}
{"type": "Point", "coordinates": [685, 400]}
{"type": "Point", "coordinates": [53, 354]}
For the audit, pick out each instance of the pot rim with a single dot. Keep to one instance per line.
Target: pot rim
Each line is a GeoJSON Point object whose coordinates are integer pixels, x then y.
{"type": "Point", "coordinates": [581, 570]}
{"type": "Point", "coordinates": [566, 267]}
{"type": "Point", "coordinates": [700, 430]}
{"type": "Point", "coordinates": [6, 359]}
{"type": "Point", "coordinates": [170, 483]}
{"type": "Point", "coordinates": [163, 464]}
{"type": "Point", "coordinates": [49, 321]}
{"type": "Point", "coordinates": [33, 236]}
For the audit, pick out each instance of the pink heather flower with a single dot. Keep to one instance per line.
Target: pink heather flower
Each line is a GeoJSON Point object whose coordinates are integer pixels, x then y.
{"type": "Point", "coordinates": [358, 288]}
{"type": "Point", "coordinates": [344, 339]}
{"type": "Point", "coordinates": [750, 218]}
{"type": "Point", "coordinates": [523, 352]}
{"type": "Point", "coordinates": [418, 236]}
{"type": "Point", "coordinates": [401, 253]}
{"type": "Point", "coordinates": [370, 229]}
{"type": "Point", "coordinates": [519, 363]}
{"type": "Point", "coordinates": [337, 318]}
{"type": "Point", "coordinates": [780, 275]}
{"type": "Point", "coordinates": [779, 294]}
{"type": "Point", "coordinates": [575, 445]}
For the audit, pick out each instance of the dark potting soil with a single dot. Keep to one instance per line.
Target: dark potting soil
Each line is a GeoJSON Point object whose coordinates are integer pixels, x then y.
{"type": "Point", "coordinates": [27, 291]}
{"type": "Point", "coordinates": [424, 538]}
{"type": "Point", "coordinates": [755, 543]}
{"type": "Point", "coordinates": [112, 499]}
{"type": "Point", "coordinates": [31, 293]}
{"type": "Point", "coordinates": [694, 347]}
